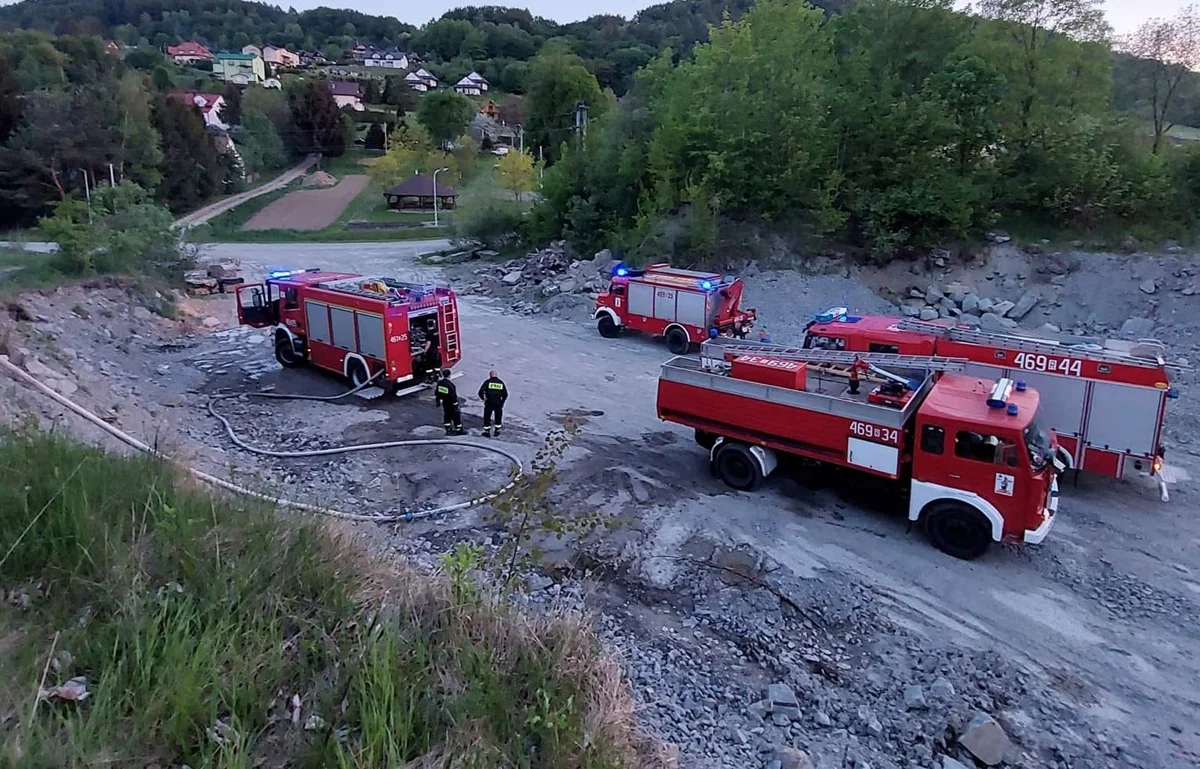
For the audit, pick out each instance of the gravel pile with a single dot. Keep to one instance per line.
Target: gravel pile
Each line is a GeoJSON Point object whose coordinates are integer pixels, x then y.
{"type": "Point", "coordinates": [786, 300]}
{"type": "Point", "coordinates": [552, 280]}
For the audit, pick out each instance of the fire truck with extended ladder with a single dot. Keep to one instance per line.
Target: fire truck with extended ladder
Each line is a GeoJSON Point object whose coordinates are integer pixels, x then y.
{"type": "Point", "coordinates": [968, 453]}
{"type": "Point", "coordinates": [684, 306]}
{"type": "Point", "coordinates": [1105, 400]}
{"type": "Point", "coordinates": [358, 326]}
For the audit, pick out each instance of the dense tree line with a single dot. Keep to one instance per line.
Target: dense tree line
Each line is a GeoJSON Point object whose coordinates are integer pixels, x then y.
{"type": "Point", "coordinates": [894, 124]}
{"type": "Point", "coordinates": [74, 116]}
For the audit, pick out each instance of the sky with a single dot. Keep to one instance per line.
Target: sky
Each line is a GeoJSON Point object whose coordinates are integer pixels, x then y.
{"type": "Point", "coordinates": [1124, 15]}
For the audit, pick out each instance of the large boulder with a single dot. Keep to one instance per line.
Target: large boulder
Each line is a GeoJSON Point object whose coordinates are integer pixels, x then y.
{"type": "Point", "coordinates": [1023, 305]}
{"type": "Point", "coordinates": [991, 321]}
{"type": "Point", "coordinates": [985, 739]}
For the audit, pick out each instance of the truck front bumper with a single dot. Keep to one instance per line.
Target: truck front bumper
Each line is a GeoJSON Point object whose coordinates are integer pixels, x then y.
{"type": "Point", "coordinates": [1035, 536]}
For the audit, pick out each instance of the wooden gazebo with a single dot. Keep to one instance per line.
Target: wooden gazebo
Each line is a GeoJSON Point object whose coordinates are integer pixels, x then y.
{"type": "Point", "coordinates": [416, 193]}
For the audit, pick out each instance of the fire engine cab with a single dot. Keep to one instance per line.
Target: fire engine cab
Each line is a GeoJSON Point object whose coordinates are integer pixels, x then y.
{"type": "Point", "coordinates": [684, 306]}
{"type": "Point", "coordinates": [355, 325]}
{"type": "Point", "coordinates": [1105, 400]}
{"type": "Point", "coordinates": [969, 454]}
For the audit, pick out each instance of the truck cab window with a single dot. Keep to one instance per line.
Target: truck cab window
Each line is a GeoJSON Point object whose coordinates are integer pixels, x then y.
{"type": "Point", "coordinates": [618, 290]}
{"type": "Point", "coordinates": [933, 439]}
{"type": "Point", "coordinates": [982, 447]}
{"type": "Point", "coordinates": [291, 299]}
{"type": "Point", "coordinates": [880, 347]}
{"type": "Point", "coordinates": [825, 343]}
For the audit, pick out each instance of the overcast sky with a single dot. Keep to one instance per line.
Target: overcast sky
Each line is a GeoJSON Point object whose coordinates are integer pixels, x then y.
{"type": "Point", "coordinates": [1124, 15]}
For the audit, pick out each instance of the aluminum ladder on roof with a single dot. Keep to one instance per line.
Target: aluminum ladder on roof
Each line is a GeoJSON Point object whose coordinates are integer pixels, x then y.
{"type": "Point", "coordinates": [1038, 346]}
{"type": "Point", "coordinates": [450, 326]}
{"type": "Point", "coordinates": [719, 348]}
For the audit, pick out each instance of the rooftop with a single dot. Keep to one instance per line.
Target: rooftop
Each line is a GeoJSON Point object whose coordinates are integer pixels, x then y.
{"type": "Point", "coordinates": [237, 56]}
{"type": "Point", "coordinates": [419, 186]}
{"type": "Point", "coordinates": [343, 88]}
{"type": "Point", "coordinates": [965, 398]}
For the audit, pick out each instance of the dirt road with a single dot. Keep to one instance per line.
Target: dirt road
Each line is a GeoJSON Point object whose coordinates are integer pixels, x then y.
{"type": "Point", "coordinates": [1085, 648]}
{"type": "Point", "coordinates": [1104, 614]}
{"type": "Point", "coordinates": [309, 209]}
{"type": "Point", "coordinates": [216, 209]}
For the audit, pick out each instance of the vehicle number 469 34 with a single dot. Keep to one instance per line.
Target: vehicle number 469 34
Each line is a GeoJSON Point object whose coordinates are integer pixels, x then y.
{"type": "Point", "coordinates": [865, 430]}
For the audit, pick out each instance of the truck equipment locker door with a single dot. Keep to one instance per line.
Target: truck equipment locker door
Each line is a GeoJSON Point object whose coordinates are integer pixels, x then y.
{"type": "Point", "coordinates": [641, 299]}
{"type": "Point", "coordinates": [1124, 418]}
{"type": "Point", "coordinates": [1062, 399]}
{"type": "Point", "coordinates": [342, 321]}
{"type": "Point", "coordinates": [664, 303]}
{"type": "Point", "coordinates": [691, 308]}
{"type": "Point", "coordinates": [316, 316]}
{"type": "Point", "coordinates": [873, 456]}
{"type": "Point", "coordinates": [370, 334]}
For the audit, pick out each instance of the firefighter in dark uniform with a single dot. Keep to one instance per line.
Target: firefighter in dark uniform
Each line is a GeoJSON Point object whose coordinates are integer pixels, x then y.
{"type": "Point", "coordinates": [446, 396]}
{"type": "Point", "coordinates": [493, 393]}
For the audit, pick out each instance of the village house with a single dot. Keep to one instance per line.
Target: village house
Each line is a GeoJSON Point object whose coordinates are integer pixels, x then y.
{"type": "Point", "coordinates": [392, 59]}
{"type": "Point", "coordinates": [489, 110]}
{"type": "Point", "coordinates": [280, 57]}
{"type": "Point", "coordinates": [239, 68]}
{"type": "Point", "coordinates": [209, 105]}
{"type": "Point", "coordinates": [189, 52]}
{"type": "Point", "coordinates": [346, 94]}
{"type": "Point", "coordinates": [422, 80]}
{"type": "Point", "coordinates": [473, 84]}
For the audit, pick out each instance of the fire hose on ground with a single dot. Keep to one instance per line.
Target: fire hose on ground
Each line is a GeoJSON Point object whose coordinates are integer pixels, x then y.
{"type": "Point", "coordinates": [27, 378]}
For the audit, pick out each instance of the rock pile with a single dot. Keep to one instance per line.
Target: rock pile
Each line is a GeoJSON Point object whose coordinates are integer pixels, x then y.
{"type": "Point", "coordinates": [542, 275]}
{"type": "Point", "coordinates": [960, 302]}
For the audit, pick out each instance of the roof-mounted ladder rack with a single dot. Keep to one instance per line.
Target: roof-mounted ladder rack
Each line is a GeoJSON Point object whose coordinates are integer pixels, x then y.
{"type": "Point", "coordinates": [721, 348]}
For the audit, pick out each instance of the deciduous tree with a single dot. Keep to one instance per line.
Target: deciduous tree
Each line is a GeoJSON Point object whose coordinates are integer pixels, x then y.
{"type": "Point", "coordinates": [558, 81]}
{"type": "Point", "coordinates": [1170, 49]}
{"type": "Point", "coordinates": [516, 172]}
{"type": "Point", "coordinates": [231, 111]}
{"type": "Point", "coordinates": [445, 115]}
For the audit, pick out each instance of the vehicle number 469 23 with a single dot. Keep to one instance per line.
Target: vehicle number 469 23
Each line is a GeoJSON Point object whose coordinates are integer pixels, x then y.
{"type": "Point", "coordinates": [865, 430]}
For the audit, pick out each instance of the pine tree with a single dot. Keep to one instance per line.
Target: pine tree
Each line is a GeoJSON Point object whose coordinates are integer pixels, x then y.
{"type": "Point", "coordinates": [10, 101]}
{"type": "Point", "coordinates": [191, 166]}
{"type": "Point", "coordinates": [317, 121]}
{"type": "Point", "coordinates": [375, 137]}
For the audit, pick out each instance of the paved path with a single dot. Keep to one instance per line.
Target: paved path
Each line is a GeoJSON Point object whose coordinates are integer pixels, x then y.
{"type": "Point", "coordinates": [221, 206]}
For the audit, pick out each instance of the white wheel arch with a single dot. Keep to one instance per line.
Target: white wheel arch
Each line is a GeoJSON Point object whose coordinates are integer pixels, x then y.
{"type": "Point", "coordinates": [924, 494]}
{"type": "Point", "coordinates": [287, 332]}
{"type": "Point", "coordinates": [681, 327]}
{"type": "Point", "coordinates": [354, 356]}
{"type": "Point", "coordinates": [610, 312]}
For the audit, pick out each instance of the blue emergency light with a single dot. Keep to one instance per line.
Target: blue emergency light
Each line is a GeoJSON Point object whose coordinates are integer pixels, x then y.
{"type": "Point", "coordinates": [279, 274]}
{"type": "Point", "coordinates": [706, 285]}
{"type": "Point", "coordinates": [1012, 409]}
{"type": "Point", "coordinates": [1021, 385]}
{"type": "Point", "coordinates": [830, 315]}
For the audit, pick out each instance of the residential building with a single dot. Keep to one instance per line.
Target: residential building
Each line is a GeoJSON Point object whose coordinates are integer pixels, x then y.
{"type": "Point", "coordinates": [346, 94]}
{"type": "Point", "coordinates": [280, 57]}
{"type": "Point", "coordinates": [254, 49]}
{"type": "Point", "coordinates": [422, 80]}
{"type": "Point", "coordinates": [312, 59]}
{"type": "Point", "coordinates": [209, 105]}
{"type": "Point", "coordinates": [473, 84]}
{"type": "Point", "coordinates": [392, 59]}
{"type": "Point", "coordinates": [489, 110]}
{"type": "Point", "coordinates": [189, 52]}
{"type": "Point", "coordinates": [239, 68]}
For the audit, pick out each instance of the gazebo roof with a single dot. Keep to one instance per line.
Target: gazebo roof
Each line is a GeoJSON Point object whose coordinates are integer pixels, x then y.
{"type": "Point", "coordinates": [421, 186]}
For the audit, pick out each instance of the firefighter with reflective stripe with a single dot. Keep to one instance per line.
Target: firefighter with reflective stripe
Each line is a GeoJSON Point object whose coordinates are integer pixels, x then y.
{"type": "Point", "coordinates": [445, 394]}
{"type": "Point", "coordinates": [493, 393]}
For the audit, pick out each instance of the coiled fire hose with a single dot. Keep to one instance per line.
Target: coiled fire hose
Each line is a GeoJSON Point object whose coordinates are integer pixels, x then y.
{"type": "Point", "coordinates": [25, 377]}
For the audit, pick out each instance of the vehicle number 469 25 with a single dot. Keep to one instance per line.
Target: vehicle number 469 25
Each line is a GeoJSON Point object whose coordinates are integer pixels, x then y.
{"type": "Point", "coordinates": [865, 430]}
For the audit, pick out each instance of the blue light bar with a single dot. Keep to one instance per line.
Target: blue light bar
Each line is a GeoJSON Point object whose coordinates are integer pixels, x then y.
{"type": "Point", "coordinates": [621, 272]}
{"type": "Point", "coordinates": [706, 285]}
{"type": "Point", "coordinates": [279, 274]}
{"type": "Point", "coordinates": [1012, 409]}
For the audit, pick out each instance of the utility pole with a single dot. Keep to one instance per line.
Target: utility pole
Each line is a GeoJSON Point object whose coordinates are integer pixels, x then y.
{"type": "Point", "coordinates": [581, 121]}
{"type": "Point", "coordinates": [435, 197]}
{"type": "Point", "coordinates": [112, 176]}
{"type": "Point", "coordinates": [87, 192]}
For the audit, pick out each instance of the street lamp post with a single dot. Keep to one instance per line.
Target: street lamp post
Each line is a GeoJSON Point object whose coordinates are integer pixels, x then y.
{"type": "Point", "coordinates": [521, 136]}
{"type": "Point", "coordinates": [435, 195]}
{"type": "Point", "coordinates": [87, 192]}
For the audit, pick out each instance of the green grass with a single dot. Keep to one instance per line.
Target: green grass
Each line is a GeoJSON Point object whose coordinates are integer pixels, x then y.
{"type": "Point", "coordinates": [21, 270]}
{"type": "Point", "coordinates": [328, 235]}
{"type": "Point", "coordinates": [348, 163]}
{"type": "Point", "coordinates": [195, 621]}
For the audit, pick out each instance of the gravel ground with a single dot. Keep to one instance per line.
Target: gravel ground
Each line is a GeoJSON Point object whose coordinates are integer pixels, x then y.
{"type": "Point", "coordinates": [869, 647]}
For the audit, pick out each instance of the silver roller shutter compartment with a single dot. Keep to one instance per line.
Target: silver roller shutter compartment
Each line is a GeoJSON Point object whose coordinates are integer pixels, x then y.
{"type": "Point", "coordinates": [316, 316]}
{"type": "Point", "coordinates": [370, 335]}
{"type": "Point", "coordinates": [343, 328]}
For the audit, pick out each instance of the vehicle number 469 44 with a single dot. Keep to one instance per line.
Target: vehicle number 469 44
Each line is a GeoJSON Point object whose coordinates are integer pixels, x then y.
{"type": "Point", "coordinates": [865, 430]}
{"type": "Point", "coordinates": [1048, 363]}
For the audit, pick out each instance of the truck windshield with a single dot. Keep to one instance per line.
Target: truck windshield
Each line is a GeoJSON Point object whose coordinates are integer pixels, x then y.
{"type": "Point", "coordinates": [1037, 442]}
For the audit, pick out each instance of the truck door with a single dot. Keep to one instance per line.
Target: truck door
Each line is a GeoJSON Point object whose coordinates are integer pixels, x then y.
{"type": "Point", "coordinates": [257, 305]}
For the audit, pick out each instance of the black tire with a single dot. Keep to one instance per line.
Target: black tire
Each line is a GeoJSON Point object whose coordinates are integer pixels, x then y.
{"type": "Point", "coordinates": [705, 440]}
{"type": "Point", "coordinates": [677, 341]}
{"type": "Point", "coordinates": [958, 530]}
{"type": "Point", "coordinates": [286, 352]}
{"type": "Point", "coordinates": [737, 467]}
{"type": "Point", "coordinates": [357, 373]}
{"type": "Point", "coordinates": [607, 327]}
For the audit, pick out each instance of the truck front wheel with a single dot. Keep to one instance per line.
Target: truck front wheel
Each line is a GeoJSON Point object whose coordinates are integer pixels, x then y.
{"type": "Point", "coordinates": [677, 341]}
{"type": "Point", "coordinates": [737, 467]}
{"type": "Point", "coordinates": [958, 530]}
{"type": "Point", "coordinates": [608, 327]}
{"type": "Point", "coordinates": [286, 352]}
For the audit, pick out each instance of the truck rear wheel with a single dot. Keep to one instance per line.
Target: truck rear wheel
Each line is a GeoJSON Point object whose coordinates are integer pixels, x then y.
{"type": "Point", "coordinates": [677, 341]}
{"type": "Point", "coordinates": [705, 439]}
{"type": "Point", "coordinates": [286, 352]}
{"type": "Point", "coordinates": [958, 530]}
{"type": "Point", "coordinates": [607, 327]}
{"type": "Point", "coordinates": [737, 467]}
{"type": "Point", "coordinates": [358, 373]}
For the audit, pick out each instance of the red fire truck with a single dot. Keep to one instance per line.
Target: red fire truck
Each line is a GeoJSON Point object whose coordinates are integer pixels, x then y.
{"type": "Point", "coordinates": [355, 325]}
{"type": "Point", "coordinates": [685, 306]}
{"type": "Point", "coordinates": [968, 453]}
{"type": "Point", "coordinates": [1105, 400]}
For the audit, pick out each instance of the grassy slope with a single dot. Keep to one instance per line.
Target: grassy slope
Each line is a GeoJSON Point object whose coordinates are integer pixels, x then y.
{"type": "Point", "coordinates": [195, 621]}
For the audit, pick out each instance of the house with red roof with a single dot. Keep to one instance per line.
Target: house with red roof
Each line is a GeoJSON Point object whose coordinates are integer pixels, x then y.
{"type": "Point", "coordinates": [189, 52]}
{"type": "Point", "coordinates": [346, 94]}
{"type": "Point", "coordinates": [209, 105]}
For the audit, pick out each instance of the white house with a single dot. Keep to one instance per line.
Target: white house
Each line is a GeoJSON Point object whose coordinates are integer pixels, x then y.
{"type": "Point", "coordinates": [386, 60]}
{"type": "Point", "coordinates": [252, 50]}
{"type": "Point", "coordinates": [209, 105]}
{"type": "Point", "coordinates": [473, 84]}
{"type": "Point", "coordinates": [422, 80]}
{"type": "Point", "coordinates": [280, 56]}
{"type": "Point", "coordinates": [347, 94]}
